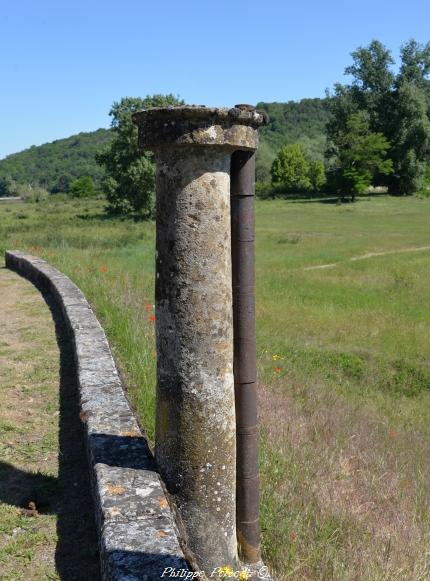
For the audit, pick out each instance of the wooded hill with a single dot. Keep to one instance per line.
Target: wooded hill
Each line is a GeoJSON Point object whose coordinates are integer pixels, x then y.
{"type": "Point", "coordinates": [56, 165]}
{"type": "Point", "coordinates": [292, 122]}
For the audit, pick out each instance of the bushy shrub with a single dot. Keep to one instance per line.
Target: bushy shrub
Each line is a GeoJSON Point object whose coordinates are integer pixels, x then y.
{"type": "Point", "coordinates": [293, 171]}
{"type": "Point", "coordinates": [264, 191]}
{"type": "Point", "coordinates": [130, 172]}
{"type": "Point", "coordinates": [83, 187]}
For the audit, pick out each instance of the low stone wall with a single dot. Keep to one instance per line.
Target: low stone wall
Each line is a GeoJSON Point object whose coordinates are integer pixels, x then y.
{"type": "Point", "coordinates": [138, 536]}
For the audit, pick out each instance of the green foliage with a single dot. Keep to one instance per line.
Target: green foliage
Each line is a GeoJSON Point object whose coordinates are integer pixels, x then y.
{"type": "Point", "coordinates": [357, 155]}
{"type": "Point", "coordinates": [291, 169]}
{"type": "Point", "coordinates": [54, 166]}
{"type": "Point", "coordinates": [425, 188]}
{"type": "Point", "coordinates": [317, 175]}
{"type": "Point", "coordinates": [396, 107]}
{"type": "Point", "coordinates": [415, 62]}
{"type": "Point", "coordinates": [129, 172]}
{"type": "Point", "coordinates": [28, 192]}
{"type": "Point", "coordinates": [6, 186]}
{"type": "Point", "coordinates": [292, 122]}
{"type": "Point", "coordinates": [32, 194]}
{"type": "Point", "coordinates": [83, 187]}
{"type": "Point", "coordinates": [410, 136]}
{"type": "Point", "coordinates": [265, 191]}
{"type": "Point", "coordinates": [371, 68]}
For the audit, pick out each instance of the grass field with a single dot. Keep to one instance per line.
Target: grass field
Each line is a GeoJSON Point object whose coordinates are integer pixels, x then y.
{"type": "Point", "coordinates": [47, 529]}
{"type": "Point", "coordinates": [344, 366]}
{"type": "Point", "coordinates": [28, 431]}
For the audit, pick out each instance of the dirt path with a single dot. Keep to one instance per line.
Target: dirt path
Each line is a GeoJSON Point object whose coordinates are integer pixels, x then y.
{"type": "Point", "coordinates": [369, 255]}
{"type": "Point", "coordinates": [46, 516]}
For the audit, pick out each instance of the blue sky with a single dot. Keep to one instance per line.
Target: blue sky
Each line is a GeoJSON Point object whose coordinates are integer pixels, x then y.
{"type": "Point", "coordinates": [63, 64]}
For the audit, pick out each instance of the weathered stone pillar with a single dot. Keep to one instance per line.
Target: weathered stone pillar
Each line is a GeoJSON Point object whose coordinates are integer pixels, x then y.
{"type": "Point", "coordinates": [195, 425]}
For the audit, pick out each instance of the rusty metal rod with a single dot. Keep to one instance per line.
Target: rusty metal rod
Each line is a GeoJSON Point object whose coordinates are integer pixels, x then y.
{"type": "Point", "coordinates": [242, 192]}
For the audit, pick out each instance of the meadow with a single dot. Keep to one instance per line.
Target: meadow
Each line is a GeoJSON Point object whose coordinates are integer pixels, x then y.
{"type": "Point", "coordinates": [343, 329]}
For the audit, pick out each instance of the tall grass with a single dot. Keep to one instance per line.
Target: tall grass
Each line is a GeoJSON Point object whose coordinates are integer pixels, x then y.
{"type": "Point", "coordinates": [343, 357]}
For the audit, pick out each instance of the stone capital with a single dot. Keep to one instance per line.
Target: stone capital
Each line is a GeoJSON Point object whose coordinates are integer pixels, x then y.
{"type": "Point", "coordinates": [224, 128]}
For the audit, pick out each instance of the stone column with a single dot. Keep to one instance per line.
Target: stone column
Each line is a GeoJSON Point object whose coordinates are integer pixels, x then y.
{"type": "Point", "coordinates": [195, 443]}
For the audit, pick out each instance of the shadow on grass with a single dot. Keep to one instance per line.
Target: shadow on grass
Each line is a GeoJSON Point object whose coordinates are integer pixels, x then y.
{"type": "Point", "coordinates": [109, 217]}
{"type": "Point", "coordinates": [318, 197]}
{"type": "Point", "coordinates": [313, 200]}
{"type": "Point", "coordinates": [77, 549]}
{"type": "Point", "coordinates": [69, 495]}
{"type": "Point", "coordinates": [331, 200]}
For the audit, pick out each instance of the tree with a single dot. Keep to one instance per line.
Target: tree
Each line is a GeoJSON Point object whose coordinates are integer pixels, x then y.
{"type": "Point", "coordinates": [129, 172]}
{"type": "Point", "coordinates": [415, 63]}
{"type": "Point", "coordinates": [6, 187]}
{"type": "Point", "coordinates": [370, 91]}
{"type": "Point", "coordinates": [83, 187]}
{"type": "Point", "coordinates": [317, 175]}
{"type": "Point", "coordinates": [410, 136]}
{"type": "Point", "coordinates": [56, 165]}
{"type": "Point", "coordinates": [292, 122]}
{"type": "Point", "coordinates": [396, 107]}
{"type": "Point", "coordinates": [62, 184]}
{"type": "Point", "coordinates": [290, 169]}
{"type": "Point", "coordinates": [371, 68]}
{"type": "Point", "coordinates": [359, 155]}
{"type": "Point", "coordinates": [373, 81]}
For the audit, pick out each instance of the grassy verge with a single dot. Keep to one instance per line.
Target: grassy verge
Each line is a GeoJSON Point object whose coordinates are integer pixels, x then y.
{"type": "Point", "coordinates": [28, 432]}
{"type": "Point", "coordinates": [343, 365]}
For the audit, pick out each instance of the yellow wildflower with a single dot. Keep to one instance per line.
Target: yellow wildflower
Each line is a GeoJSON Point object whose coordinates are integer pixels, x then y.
{"type": "Point", "coordinates": [225, 571]}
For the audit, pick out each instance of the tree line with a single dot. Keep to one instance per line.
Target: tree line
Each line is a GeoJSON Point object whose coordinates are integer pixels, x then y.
{"type": "Point", "coordinates": [54, 166]}
{"type": "Point", "coordinates": [377, 133]}
{"type": "Point", "coordinates": [379, 130]}
{"type": "Point", "coordinates": [373, 131]}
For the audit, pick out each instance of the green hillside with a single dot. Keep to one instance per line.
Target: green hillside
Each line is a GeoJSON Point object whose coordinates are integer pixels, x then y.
{"type": "Point", "coordinates": [56, 165]}
{"type": "Point", "coordinates": [292, 122]}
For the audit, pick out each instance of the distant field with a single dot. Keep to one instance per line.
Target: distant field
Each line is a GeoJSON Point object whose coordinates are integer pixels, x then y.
{"type": "Point", "coordinates": [344, 366]}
